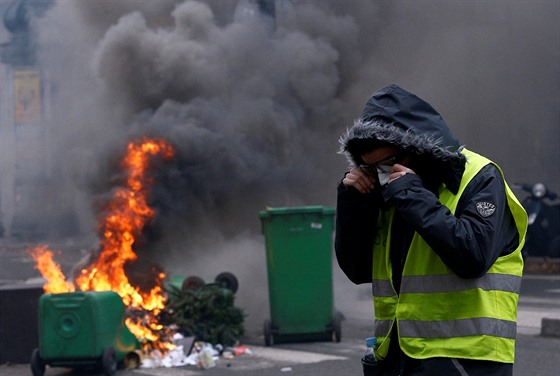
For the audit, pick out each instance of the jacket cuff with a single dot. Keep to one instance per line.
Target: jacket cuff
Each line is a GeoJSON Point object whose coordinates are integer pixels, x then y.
{"type": "Point", "coordinates": [405, 182]}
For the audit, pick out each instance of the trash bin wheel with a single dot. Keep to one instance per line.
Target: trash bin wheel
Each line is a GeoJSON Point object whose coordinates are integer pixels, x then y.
{"type": "Point", "coordinates": [337, 327]}
{"type": "Point", "coordinates": [268, 338]}
{"type": "Point", "coordinates": [132, 360]}
{"type": "Point", "coordinates": [109, 361]}
{"type": "Point", "coordinates": [193, 283]}
{"type": "Point", "coordinates": [37, 364]}
{"type": "Point", "coordinates": [228, 281]}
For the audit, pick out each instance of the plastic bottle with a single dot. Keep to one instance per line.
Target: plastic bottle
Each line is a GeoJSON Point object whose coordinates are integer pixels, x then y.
{"type": "Point", "coordinates": [369, 360]}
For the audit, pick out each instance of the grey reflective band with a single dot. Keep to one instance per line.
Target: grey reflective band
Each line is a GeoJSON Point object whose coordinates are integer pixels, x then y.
{"type": "Point", "coordinates": [458, 328]}
{"type": "Point", "coordinates": [451, 282]}
{"type": "Point", "coordinates": [382, 327]}
{"type": "Point", "coordinates": [459, 367]}
{"type": "Point", "coordinates": [382, 288]}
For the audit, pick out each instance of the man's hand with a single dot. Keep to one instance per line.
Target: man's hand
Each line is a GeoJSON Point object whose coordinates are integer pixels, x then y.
{"type": "Point", "coordinates": [359, 180]}
{"type": "Point", "coordinates": [398, 171]}
{"type": "Point", "coordinates": [365, 183]}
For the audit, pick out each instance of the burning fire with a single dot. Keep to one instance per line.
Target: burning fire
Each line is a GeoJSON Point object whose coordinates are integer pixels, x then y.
{"type": "Point", "coordinates": [56, 281]}
{"type": "Point", "coordinates": [125, 217]}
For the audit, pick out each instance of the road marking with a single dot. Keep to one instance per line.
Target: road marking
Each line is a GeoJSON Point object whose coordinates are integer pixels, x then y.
{"type": "Point", "coordinates": [292, 356]}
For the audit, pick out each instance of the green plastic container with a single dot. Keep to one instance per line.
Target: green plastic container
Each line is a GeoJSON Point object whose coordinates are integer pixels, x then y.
{"type": "Point", "coordinates": [82, 328]}
{"type": "Point", "coordinates": [299, 264]}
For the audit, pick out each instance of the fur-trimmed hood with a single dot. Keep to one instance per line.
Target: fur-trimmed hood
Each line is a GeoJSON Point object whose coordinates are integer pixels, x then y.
{"type": "Point", "coordinates": [394, 116]}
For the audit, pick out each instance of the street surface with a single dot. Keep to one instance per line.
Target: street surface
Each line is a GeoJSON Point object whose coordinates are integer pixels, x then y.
{"type": "Point", "coordinates": [535, 355]}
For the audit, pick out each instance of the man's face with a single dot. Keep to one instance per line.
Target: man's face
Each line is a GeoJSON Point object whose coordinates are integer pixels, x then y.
{"type": "Point", "coordinates": [380, 155]}
{"type": "Point", "coordinates": [379, 162]}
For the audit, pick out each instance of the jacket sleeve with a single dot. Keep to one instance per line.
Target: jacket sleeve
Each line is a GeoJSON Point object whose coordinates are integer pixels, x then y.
{"type": "Point", "coordinates": [356, 218]}
{"type": "Point", "coordinates": [468, 242]}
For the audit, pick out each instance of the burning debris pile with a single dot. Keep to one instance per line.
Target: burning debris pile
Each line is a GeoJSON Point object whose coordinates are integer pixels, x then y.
{"type": "Point", "coordinates": [125, 217]}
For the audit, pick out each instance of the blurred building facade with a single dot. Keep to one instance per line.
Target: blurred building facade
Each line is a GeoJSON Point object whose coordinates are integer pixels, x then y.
{"type": "Point", "coordinates": [24, 130]}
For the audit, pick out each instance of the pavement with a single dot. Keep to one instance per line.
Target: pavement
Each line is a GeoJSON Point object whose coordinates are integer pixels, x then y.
{"type": "Point", "coordinates": [539, 305]}
{"type": "Point", "coordinates": [537, 346]}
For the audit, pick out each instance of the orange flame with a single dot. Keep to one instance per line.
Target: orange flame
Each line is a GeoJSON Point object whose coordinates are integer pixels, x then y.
{"type": "Point", "coordinates": [56, 281]}
{"type": "Point", "coordinates": [125, 217]}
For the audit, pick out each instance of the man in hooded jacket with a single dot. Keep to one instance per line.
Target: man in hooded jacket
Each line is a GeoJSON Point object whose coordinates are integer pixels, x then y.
{"type": "Point", "coordinates": [437, 231]}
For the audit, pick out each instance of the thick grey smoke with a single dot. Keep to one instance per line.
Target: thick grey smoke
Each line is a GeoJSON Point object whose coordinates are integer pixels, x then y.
{"type": "Point", "coordinates": [255, 105]}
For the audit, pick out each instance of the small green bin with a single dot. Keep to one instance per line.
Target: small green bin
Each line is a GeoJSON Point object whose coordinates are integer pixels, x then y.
{"type": "Point", "coordinates": [82, 329]}
{"type": "Point", "coordinates": [299, 263]}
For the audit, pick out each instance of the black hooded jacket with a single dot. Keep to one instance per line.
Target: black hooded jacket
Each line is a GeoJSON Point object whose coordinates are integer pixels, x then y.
{"type": "Point", "coordinates": [467, 242]}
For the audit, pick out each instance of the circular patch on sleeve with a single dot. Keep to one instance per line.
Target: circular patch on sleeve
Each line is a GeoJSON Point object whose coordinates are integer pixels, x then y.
{"type": "Point", "coordinates": [485, 209]}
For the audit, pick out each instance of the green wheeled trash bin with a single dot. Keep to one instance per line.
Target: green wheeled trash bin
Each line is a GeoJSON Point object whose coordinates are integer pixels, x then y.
{"type": "Point", "coordinates": [82, 329]}
{"type": "Point", "coordinates": [299, 264]}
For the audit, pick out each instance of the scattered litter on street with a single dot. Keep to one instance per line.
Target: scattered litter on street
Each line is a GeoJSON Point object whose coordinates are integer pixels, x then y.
{"type": "Point", "coordinates": [189, 353]}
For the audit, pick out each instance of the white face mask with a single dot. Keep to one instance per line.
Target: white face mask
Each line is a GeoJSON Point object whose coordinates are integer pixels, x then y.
{"type": "Point", "coordinates": [383, 172]}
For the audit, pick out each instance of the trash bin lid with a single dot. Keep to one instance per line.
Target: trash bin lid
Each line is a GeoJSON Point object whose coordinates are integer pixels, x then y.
{"type": "Point", "coordinates": [297, 210]}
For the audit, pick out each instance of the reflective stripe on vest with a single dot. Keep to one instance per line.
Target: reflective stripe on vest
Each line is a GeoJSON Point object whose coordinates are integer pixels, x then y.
{"type": "Point", "coordinates": [458, 328]}
{"type": "Point", "coordinates": [382, 327]}
{"type": "Point", "coordinates": [380, 287]}
{"type": "Point", "coordinates": [451, 282]}
{"type": "Point", "coordinates": [439, 314]}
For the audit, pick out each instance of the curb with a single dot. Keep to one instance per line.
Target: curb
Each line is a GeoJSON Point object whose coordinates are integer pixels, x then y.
{"type": "Point", "coordinates": [550, 327]}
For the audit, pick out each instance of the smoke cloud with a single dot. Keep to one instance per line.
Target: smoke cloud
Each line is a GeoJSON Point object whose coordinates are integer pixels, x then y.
{"type": "Point", "coordinates": [254, 102]}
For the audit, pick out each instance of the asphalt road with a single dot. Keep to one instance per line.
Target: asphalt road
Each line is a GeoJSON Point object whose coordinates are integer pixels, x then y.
{"type": "Point", "coordinates": [535, 355]}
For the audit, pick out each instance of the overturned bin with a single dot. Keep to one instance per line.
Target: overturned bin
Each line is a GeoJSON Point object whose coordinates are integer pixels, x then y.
{"type": "Point", "coordinates": [82, 329]}
{"type": "Point", "coordinates": [299, 264]}
{"type": "Point", "coordinates": [225, 280]}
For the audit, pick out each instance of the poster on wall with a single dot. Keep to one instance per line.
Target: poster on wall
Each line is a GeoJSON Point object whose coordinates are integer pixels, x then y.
{"type": "Point", "coordinates": [27, 96]}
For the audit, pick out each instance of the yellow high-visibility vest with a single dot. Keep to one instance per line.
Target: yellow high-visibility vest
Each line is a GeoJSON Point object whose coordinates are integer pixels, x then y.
{"type": "Point", "coordinates": [437, 313]}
